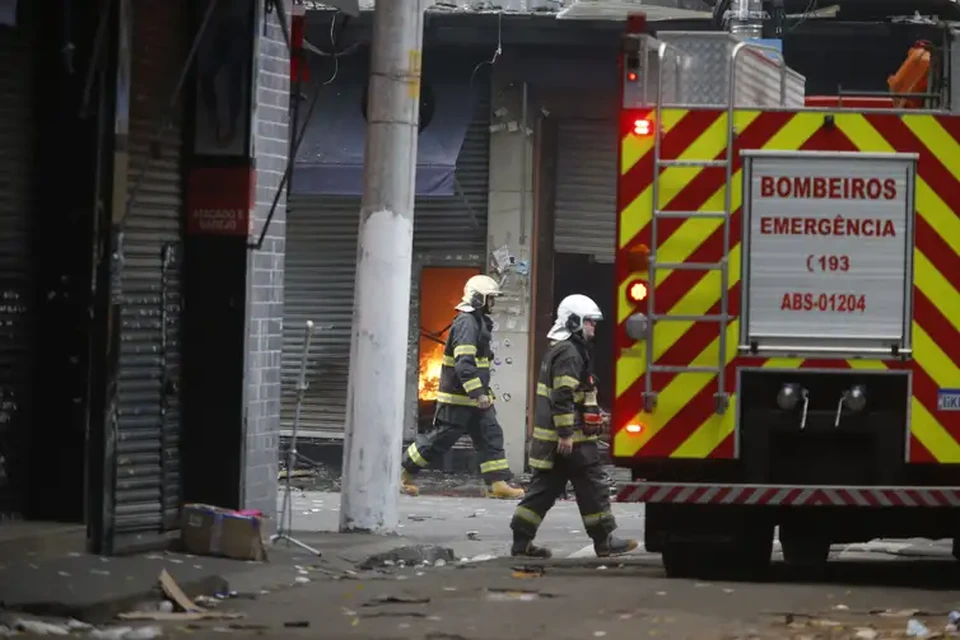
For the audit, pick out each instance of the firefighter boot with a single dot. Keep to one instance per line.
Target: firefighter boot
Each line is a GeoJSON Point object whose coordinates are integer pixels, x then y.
{"type": "Point", "coordinates": [523, 547]}
{"type": "Point", "coordinates": [613, 546]}
{"type": "Point", "coordinates": [500, 489]}
{"type": "Point", "coordinates": [406, 484]}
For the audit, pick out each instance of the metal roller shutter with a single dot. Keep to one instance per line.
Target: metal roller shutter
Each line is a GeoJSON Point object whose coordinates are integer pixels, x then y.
{"type": "Point", "coordinates": [148, 416]}
{"type": "Point", "coordinates": [320, 272]}
{"type": "Point", "coordinates": [586, 204]}
{"type": "Point", "coordinates": [16, 270]}
{"type": "Point", "coordinates": [459, 222]}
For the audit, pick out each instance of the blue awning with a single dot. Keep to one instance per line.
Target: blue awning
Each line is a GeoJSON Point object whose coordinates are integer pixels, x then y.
{"type": "Point", "coordinates": [330, 159]}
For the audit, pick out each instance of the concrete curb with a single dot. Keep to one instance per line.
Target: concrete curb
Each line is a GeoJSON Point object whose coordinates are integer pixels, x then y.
{"type": "Point", "coordinates": [105, 608]}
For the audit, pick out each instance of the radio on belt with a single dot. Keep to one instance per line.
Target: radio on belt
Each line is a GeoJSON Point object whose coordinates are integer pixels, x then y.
{"type": "Point", "coordinates": [828, 258]}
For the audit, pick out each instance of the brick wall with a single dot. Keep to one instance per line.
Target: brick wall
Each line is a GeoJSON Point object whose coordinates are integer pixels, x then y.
{"type": "Point", "coordinates": [265, 271]}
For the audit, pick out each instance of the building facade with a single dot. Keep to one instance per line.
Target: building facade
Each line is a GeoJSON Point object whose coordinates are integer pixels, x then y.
{"type": "Point", "coordinates": [111, 144]}
{"type": "Point", "coordinates": [533, 195]}
{"type": "Point", "coordinates": [510, 113]}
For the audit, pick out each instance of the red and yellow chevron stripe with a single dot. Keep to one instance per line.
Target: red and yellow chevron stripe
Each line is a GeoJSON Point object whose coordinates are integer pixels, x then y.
{"type": "Point", "coordinates": [684, 424]}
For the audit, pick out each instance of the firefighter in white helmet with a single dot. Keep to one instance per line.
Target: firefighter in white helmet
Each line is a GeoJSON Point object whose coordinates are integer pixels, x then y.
{"type": "Point", "coordinates": [464, 397]}
{"type": "Point", "coordinates": [567, 424]}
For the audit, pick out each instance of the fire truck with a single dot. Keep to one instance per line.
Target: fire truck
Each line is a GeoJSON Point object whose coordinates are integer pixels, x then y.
{"type": "Point", "coordinates": [788, 309]}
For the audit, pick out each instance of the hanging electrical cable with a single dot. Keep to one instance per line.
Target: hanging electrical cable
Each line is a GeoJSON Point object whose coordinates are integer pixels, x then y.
{"type": "Point", "coordinates": [94, 66]}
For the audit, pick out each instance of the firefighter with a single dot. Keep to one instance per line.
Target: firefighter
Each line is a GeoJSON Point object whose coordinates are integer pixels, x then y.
{"type": "Point", "coordinates": [464, 397]}
{"type": "Point", "coordinates": [567, 424]}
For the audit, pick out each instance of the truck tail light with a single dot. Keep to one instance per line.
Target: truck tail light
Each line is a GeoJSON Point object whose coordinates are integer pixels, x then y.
{"type": "Point", "coordinates": [637, 291]}
{"type": "Point", "coordinates": [642, 126]}
{"type": "Point", "coordinates": [634, 428]}
{"type": "Point", "coordinates": [637, 258]}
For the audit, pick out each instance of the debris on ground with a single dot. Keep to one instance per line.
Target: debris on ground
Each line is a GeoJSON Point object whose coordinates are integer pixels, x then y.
{"type": "Point", "coordinates": [379, 600]}
{"type": "Point", "coordinates": [40, 626]}
{"type": "Point", "coordinates": [297, 624]}
{"type": "Point", "coordinates": [916, 629]}
{"type": "Point", "coordinates": [127, 633]}
{"type": "Point", "coordinates": [502, 595]}
{"type": "Point", "coordinates": [483, 557]}
{"type": "Point", "coordinates": [527, 571]}
{"type": "Point", "coordinates": [178, 616]}
{"type": "Point", "coordinates": [178, 607]}
{"type": "Point", "coordinates": [209, 530]}
{"type": "Point", "coordinates": [297, 473]}
{"type": "Point", "coordinates": [410, 555]}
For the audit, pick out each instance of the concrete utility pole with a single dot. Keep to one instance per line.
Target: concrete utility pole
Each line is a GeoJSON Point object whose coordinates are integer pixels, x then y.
{"type": "Point", "coordinates": [378, 349]}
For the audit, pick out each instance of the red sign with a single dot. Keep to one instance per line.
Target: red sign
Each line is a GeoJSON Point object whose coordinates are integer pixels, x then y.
{"type": "Point", "coordinates": [299, 70]}
{"type": "Point", "coordinates": [219, 200]}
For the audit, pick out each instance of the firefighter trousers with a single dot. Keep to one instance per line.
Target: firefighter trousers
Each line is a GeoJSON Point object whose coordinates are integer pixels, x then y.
{"type": "Point", "coordinates": [583, 469]}
{"type": "Point", "coordinates": [451, 423]}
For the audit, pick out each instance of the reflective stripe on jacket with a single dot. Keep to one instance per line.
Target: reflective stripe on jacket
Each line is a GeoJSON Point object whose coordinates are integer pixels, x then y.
{"type": "Point", "coordinates": [566, 402]}
{"type": "Point", "coordinates": [465, 369]}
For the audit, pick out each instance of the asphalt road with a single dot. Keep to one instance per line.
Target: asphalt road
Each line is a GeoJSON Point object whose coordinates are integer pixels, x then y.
{"type": "Point", "coordinates": [871, 599]}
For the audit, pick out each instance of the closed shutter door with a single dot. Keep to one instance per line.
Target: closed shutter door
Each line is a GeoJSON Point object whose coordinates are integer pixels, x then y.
{"type": "Point", "coordinates": [16, 270]}
{"type": "Point", "coordinates": [459, 222]}
{"type": "Point", "coordinates": [320, 275]}
{"type": "Point", "coordinates": [586, 205]}
{"type": "Point", "coordinates": [147, 495]}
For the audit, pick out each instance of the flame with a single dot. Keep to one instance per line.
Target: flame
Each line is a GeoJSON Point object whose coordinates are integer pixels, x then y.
{"type": "Point", "coordinates": [430, 363]}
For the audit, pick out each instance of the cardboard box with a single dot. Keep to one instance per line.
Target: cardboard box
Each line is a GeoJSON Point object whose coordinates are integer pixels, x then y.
{"type": "Point", "coordinates": [213, 531]}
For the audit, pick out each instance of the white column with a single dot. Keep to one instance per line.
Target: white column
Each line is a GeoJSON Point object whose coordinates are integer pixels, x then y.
{"type": "Point", "coordinates": [510, 226]}
{"type": "Point", "coordinates": [378, 349]}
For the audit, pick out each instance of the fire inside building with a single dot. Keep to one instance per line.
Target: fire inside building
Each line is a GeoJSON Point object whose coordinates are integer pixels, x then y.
{"type": "Point", "coordinates": [440, 290]}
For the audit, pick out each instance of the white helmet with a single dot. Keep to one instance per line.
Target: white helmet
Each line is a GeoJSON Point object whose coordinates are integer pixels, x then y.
{"type": "Point", "coordinates": [571, 313]}
{"type": "Point", "coordinates": [477, 293]}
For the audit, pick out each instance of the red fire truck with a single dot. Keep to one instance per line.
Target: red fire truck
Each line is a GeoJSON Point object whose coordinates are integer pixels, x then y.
{"type": "Point", "coordinates": [788, 341]}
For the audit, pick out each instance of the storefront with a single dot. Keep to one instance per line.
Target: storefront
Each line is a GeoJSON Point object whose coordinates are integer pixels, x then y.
{"type": "Point", "coordinates": [146, 487]}
{"type": "Point", "coordinates": [450, 235]}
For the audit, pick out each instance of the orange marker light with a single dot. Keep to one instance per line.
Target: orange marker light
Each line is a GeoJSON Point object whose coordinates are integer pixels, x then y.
{"type": "Point", "coordinates": [637, 291]}
{"type": "Point", "coordinates": [642, 127]}
{"type": "Point", "coordinates": [637, 258]}
{"type": "Point", "coordinates": [634, 428]}
{"type": "Point", "coordinates": [632, 76]}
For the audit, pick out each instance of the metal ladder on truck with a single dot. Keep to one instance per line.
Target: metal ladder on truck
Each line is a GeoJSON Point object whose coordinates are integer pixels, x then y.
{"type": "Point", "coordinates": [723, 266]}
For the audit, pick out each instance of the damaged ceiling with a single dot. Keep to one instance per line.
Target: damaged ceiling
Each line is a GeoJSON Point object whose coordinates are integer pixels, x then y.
{"type": "Point", "coordinates": [569, 9]}
{"type": "Point", "coordinates": [656, 10]}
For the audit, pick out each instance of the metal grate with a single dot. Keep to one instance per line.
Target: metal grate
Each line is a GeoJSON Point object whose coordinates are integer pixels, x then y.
{"type": "Point", "coordinates": [148, 415]}
{"type": "Point", "coordinates": [586, 196]}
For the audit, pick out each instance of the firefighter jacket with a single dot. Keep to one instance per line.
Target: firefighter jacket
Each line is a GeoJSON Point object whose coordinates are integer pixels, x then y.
{"type": "Point", "coordinates": [465, 370]}
{"type": "Point", "coordinates": [566, 404]}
